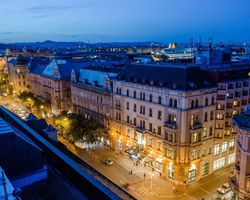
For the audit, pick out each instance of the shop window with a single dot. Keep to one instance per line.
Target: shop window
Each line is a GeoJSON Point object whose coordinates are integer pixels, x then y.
{"type": "Point", "coordinates": [192, 174]}
{"type": "Point", "coordinates": [171, 171]}
{"type": "Point", "coordinates": [219, 163]}
{"type": "Point", "coordinates": [205, 168]}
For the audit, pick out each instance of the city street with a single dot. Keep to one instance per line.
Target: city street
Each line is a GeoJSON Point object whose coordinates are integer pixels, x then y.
{"type": "Point", "coordinates": [143, 183]}
{"type": "Point", "coordinates": [152, 186]}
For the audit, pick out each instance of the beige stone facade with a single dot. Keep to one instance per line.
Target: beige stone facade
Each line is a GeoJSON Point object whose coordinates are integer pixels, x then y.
{"type": "Point", "coordinates": [92, 102]}
{"type": "Point", "coordinates": [18, 78]}
{"type": "Point", "coordinates": [240, 182]}
{"type": "Point", "coordinates": [56, 92]}
{"type": "Point", "coordinates": [186, 134]}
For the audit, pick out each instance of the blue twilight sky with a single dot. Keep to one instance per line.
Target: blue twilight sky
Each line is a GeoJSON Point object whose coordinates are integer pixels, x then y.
{"type": "Point", "coordinates": [124, 20]}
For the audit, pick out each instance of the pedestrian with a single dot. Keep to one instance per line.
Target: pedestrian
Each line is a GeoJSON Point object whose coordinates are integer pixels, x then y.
{"type": "Point", "coordinates": [144, 175]}
{"type": "Point", "coordinates": [131, 172]}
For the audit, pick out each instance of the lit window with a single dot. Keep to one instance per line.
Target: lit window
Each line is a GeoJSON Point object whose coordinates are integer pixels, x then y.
{"type": "Point", "coordinates": [231, 158]}
{"type": "Point", "coordinates": [216, 149]}
{"type": "Point", "coordinates": [231, 144]}
{"type": "Point", "coordinates": [224, 146]}
{"type": "Point", "coordinates": [193, 154]}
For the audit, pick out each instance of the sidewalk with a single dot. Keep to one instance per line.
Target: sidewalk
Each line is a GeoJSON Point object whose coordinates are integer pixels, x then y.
{"type": "Point", "coordinates": [153, 186]}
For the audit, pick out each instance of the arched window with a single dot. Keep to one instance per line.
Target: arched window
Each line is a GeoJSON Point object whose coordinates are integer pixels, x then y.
{"type": "Point", "coordinates": [170, 102]}
{"type": "Point", "coordinates": [159, 100]}
{"type": "Point", "coordinates": [192, 104]}
{"type": "Point", "coordinates": [175, 103]}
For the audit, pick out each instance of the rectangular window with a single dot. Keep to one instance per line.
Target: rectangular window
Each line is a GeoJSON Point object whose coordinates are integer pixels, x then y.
{"type": "Point", "coordinates": [127, 105]}
{"type": "Point", "coordinates": [231, 144]}
{"type": "Point", "coordinates": [219, 163]}
{"type": "Point", "coordinates": [159, 130]}
{"type": "Point", "coordinates": [231, 158]}
{"type": "Point", "coordinates": [159, 146]}
{"type": "Point", "coordinates": [159, 114]}
{"type": "Point", "coordinates": [150, 114]}
{"type": "Point", "coordinates": [224, 146]}
{"type": "Point", "coordinates": [216, 149]}
{"type": "Point", "coordinates": [150, 127]}
{"type": "Point", "coordinates": [134, 107]}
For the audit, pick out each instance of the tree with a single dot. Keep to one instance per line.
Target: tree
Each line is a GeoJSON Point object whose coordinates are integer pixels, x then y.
{"type": "Point", "coordinates": [78, 129]}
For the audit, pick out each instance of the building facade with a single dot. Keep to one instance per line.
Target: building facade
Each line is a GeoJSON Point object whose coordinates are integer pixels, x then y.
{"type": "Point", "coordinates": [177, 118]}
{"type": "Point", "coordinates": [18, 78]}
{"type": "Point", "coordinates": [240, 182]}
{"type": "Point", "coordinates": [51, 83]}
{"type": "Point", "coordinates": [91, 93]}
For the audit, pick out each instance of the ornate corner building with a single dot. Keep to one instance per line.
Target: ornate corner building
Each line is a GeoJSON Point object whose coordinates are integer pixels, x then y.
{"type": "Point", "coordinates": [177, 118]}
{"type": "Point", "coordinates": [240, 182]}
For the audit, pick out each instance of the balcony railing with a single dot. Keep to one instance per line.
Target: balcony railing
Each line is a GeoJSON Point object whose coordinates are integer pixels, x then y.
{"type": "Point", "coordinates": [139, 129]}
{"type": "Point", "coordinates": [171, 124]}
{"type": "Point", "coordinates": [118, 107]}
{"type": "Point", "coordinates": [196, 126]}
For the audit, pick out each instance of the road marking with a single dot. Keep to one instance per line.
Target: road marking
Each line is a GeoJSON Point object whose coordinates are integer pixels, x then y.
{"type": "Point", "coordinates": [204, 190]}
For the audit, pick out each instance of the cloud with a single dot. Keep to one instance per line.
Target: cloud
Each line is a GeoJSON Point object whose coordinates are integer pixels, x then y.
{"type": "Point", "coordinates": [7, 33]}
{"type": "Point", "coordinates": [48, 8]}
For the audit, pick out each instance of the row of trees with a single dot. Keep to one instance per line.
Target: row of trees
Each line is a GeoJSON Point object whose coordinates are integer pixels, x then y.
{"type": "Point", "coordinates": [33, 103]}
{"type": "Point", "coordinates": [4, 81]}
{"type": "Point", "coordinates": [76, 128]}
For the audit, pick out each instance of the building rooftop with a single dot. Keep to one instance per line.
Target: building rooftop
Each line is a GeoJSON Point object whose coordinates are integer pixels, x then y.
{"type": "Point", "coordinates": [180, 77]}
{"type": "Point", "coordinates": [242, 121]}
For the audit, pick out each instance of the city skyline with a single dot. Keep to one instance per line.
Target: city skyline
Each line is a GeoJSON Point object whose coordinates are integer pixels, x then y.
{"type": "Point", "coordinates": [123, 21]}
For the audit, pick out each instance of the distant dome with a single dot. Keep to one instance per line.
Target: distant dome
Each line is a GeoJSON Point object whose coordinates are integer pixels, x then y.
{"type": "Point", "coordinates": [20, 60]}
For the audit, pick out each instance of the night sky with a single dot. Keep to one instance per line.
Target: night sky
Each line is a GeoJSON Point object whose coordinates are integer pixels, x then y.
{"type": "Point", "coordinates": [124, 20]}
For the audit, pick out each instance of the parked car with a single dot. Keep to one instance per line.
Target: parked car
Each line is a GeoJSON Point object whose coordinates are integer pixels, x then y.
{"type": "Point", "coordinates": [225, 188]}
{"type": "Point", "coordinates": [81, 145]}
{"type": "Point", "coordinates": [107, 161]}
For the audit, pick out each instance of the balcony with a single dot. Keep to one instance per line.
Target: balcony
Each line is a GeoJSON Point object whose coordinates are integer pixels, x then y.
{"type": "Point", "coordinates": [118, 107]}
{"type": "Point", "coordinates": [140, 130]}
{"type": "Point", "coordinates": [196, 126]}
{"type": "Point", "coordinates": [171, 124]}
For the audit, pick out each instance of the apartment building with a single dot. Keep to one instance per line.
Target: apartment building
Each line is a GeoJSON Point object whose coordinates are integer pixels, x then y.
{"type": "Point", "coordinates": [91, 93]}
{"type": "Point", "coordinates": [17, 71]}
{"type": "Point", "coordinates": [177, 118]}
{"type": "Point", "coordinates": [240, 182]}
{"type": "Point", "coordinates": [50, 81]}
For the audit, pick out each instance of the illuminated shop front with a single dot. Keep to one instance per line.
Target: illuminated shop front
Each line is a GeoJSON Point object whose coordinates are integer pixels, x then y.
{"type": "Point", "coordinates": [192, 173]}
{"type": "Point", "coordinates": [170, 171]}
{"type": "Point", "coordinates": [158, 164]}
{"type": "Point", "coordinates": [119, 145]}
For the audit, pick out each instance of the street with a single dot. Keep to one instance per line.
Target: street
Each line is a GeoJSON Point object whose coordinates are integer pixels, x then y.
{"type": "Point", "coordinates": [142, 183]}
{"type": "Point", "coordinates": [152, 186]}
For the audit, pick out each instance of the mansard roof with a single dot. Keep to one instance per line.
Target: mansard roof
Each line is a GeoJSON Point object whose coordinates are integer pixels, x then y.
{"type": "Point", "coordinates": [179, 77]}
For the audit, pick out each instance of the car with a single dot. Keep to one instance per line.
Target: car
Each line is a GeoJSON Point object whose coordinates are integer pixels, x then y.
{"type": "Point", "coordinates": [107, 161]}
{"type": "Point", "coordinates": [225, 188]}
